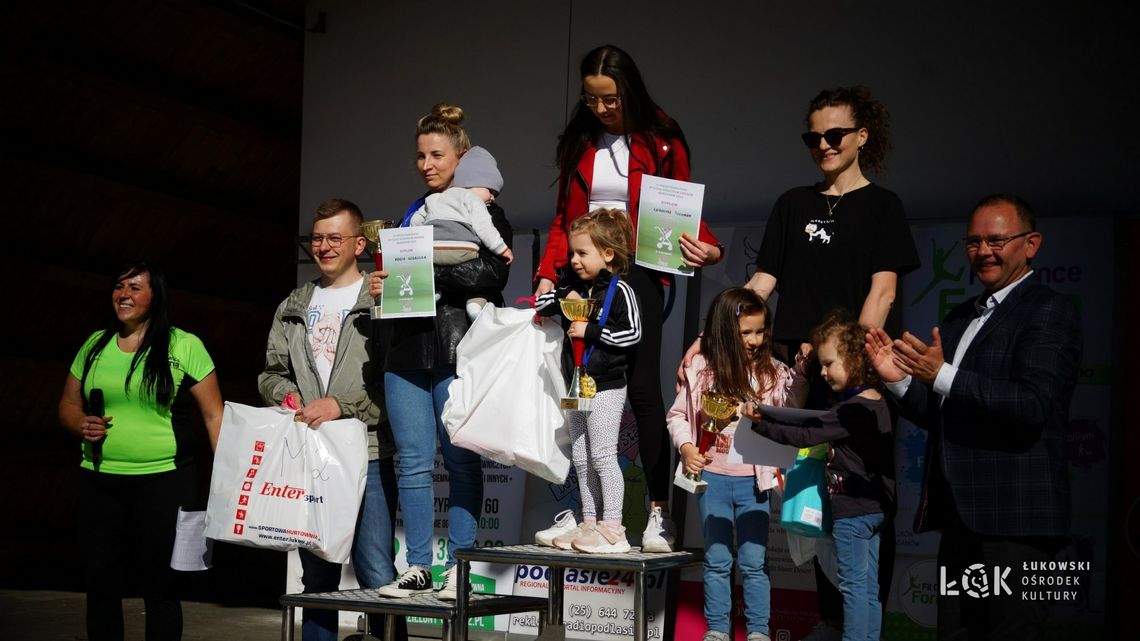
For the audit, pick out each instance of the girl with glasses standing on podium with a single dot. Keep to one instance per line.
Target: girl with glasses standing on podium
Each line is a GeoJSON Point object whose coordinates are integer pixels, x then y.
{"type": "Point", "coordinates": [616, 135]}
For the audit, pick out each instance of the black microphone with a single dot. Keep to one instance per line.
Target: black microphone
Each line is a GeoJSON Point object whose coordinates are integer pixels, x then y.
{"type": "Point", "coordinates": [95, 408]}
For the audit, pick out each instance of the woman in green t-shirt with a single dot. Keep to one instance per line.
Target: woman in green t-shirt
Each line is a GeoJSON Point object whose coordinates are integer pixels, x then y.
{"type": "Point", "coordinates": [138, 464]}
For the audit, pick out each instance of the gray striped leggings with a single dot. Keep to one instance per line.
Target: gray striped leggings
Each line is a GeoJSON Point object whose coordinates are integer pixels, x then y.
{"type": "Point", "coordinates": [594, 436]}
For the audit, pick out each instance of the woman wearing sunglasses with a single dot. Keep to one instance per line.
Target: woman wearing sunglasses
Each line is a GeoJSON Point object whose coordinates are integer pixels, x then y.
{"type": "Point", "coordinates": [842, 242]}
{"type": "Point", "coordinates": [616, 135]}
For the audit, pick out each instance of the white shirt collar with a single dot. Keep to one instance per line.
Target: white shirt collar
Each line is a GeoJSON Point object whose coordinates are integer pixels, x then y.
{"type": "Point", "coordinates": [986, 304]}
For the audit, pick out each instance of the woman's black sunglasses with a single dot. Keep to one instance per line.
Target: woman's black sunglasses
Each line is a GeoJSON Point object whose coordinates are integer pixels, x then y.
{"type": "Point", "coordinates": [832, 136]}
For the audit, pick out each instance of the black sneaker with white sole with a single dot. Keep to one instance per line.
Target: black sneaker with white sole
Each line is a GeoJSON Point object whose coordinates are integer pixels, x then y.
{"type": "Point", "coordinates": [414, 581]}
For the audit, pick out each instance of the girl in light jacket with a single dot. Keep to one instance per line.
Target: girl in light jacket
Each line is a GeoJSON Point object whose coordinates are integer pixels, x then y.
{"type": "Point", "coordinates": [735, 360]}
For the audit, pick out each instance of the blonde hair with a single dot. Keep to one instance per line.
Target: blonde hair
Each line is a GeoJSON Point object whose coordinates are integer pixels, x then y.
{"type": "Point", "coordinates": [444, 119]}
{"type": "Point", "coordinates": [608, 229]}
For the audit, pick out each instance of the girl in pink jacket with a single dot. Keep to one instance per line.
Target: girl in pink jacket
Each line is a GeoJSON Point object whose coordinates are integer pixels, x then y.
{"type": "Point", "coordinates": [735, 360]}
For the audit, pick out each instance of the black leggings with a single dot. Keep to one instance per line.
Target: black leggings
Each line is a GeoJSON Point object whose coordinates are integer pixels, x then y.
{"type": "Point", "coordinates": [130, 520]}
{"type": "Point", "coordinates": [644, 382]}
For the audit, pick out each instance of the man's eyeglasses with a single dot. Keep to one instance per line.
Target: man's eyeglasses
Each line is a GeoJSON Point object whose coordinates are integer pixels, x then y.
{"type": "Point", "coordinates": [612, 101]}
{"type": "Point", "coordinates": [974, 243]}
{"type": "Point", "coordinates": [833, 136]}
{"type": "Point", "coordinates": [334, 240]}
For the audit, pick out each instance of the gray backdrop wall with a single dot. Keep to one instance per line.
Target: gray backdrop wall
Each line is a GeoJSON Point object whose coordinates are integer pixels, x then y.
{"type": "Point", "coordinates": [1023, 97]}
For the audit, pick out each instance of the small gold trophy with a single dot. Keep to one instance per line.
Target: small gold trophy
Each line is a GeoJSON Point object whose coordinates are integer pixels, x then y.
{"type": "Point", "coordinates": [582, 387]}
{"type": "Point", "coordinates": [371, 230]}
{"type": "Point", "coordinates": [719, 408]}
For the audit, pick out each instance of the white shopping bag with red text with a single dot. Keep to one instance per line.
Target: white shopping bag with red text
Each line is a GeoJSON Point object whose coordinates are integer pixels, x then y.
{"type": "Point", "coordinates": [278, 484]}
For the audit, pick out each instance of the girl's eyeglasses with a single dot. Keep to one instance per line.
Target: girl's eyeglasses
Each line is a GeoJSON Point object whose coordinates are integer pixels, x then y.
{"type": "Point", "coordinates": [611, 101]}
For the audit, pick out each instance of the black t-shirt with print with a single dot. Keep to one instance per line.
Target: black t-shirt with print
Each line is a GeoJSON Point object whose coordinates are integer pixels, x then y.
{"type": "Point", "coordinates": [822, 262]}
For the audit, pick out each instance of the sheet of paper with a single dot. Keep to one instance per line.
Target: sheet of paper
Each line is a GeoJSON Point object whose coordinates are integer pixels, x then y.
{"type": "Point", "coordinates": [667, 209]}
{"type": "Point", "coordinates": [791, 415]}
{"type": "Point", "coordinates": [192, 550]}
{"type": "Point", "coordinates": [409, 289]}
{"type": "Point", "coordinates": [754, 449]}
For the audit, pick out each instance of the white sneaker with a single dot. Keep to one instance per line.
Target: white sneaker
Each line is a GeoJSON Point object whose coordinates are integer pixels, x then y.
{"type": "Point", "coordinates": [824, 631]}
{"type": "Point", "coordinates": [659, 533]}
{"type": "Point", "coordinates": [414, 581]}
{"type": "Point", "coordinates": [563, 523]}
{"type": "Point", "coordinates": [565, 541]}
{"type": "Point", "coordinates": [713, 635]}
{"type": "Point", "coordinates": [758, 636]}
{"type": "Point", "coordinates": [602, 539]}
{"type": "Point", "coordinates": [450, 589]}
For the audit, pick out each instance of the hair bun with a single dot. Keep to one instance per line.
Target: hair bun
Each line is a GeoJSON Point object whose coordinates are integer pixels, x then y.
{"type": "Point", "coordinates": [448, 112]}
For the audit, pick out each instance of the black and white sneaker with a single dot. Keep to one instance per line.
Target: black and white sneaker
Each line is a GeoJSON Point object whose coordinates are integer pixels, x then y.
{"type": "Point", "coordinates": [414, 581]}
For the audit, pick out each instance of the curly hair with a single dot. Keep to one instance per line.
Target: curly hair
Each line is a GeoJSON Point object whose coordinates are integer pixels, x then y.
{"type": "Point", "coordinates": [849, 337]}
{"type": "Point", "coordinates": [444, 119]}
{"type": "Point", "coordinates": [608, 229]}
{"type": "Point", "coordinates": [870, 114]}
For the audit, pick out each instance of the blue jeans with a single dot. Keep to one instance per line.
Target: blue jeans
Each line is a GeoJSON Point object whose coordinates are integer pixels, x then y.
{"type": "Point", "coordinates": [735, 500]}
{"type": "Point", "coordinates": [415, 403]}
{"type": "Point", "coordinates": [372, 554]}
{"type": "Point", "coordinates": [857, 555]}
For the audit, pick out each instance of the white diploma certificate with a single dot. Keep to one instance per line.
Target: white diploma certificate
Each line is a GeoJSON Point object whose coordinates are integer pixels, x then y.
{"type": "Point", "coordinates": [409, 290]}
{"type": "Point", "coordinates": [667, 209]}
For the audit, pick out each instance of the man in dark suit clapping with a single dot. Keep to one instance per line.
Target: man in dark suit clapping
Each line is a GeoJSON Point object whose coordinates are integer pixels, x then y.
{"type": "Point", "coordinates": [992, 388]}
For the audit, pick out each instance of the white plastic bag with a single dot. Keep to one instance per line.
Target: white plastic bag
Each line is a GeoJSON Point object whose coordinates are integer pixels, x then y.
{"type": "Point", "coordinates": [803, 548]}
{"type": "Point", "coordinates": [280, 485]}
{"type": "Point", "coordinates": [503, 403]}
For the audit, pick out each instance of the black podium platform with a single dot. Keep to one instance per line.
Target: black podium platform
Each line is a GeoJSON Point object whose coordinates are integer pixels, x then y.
{"type": "Point", "coordinates": [369, 602]}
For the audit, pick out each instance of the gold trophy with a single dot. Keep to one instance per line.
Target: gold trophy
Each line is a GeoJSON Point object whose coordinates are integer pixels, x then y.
{"type": "Point", "coordinates": [371, 230]}
{"type": "Point", "coordinates": [719, 408]}
{"type": "Point", "coordinates": [582, 387]}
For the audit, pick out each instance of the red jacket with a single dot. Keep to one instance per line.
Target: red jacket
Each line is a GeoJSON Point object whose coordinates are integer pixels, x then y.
{"type": "Point", "coordinates": [647, 155]}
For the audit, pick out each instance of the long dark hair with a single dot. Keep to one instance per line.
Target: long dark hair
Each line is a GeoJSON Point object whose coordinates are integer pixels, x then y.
{"type": "Point", "coordinates": [639, 112]}
{"type": "Point", "coordinates": [157, 381]}
{"type": "Point", "coordinates": [869, 114]}
{"type": "Point", "coordinates": [724, 352]}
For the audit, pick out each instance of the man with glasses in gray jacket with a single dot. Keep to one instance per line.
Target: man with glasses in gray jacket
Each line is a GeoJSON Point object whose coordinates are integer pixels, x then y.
{"type": "Point", "coordinates": [324, 359]}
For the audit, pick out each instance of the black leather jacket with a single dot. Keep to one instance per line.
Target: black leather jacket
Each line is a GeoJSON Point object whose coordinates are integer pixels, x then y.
{"type": "Point", "coordinates": [429, 343]}
{"type": "Point", "coordinates": [613, 343]}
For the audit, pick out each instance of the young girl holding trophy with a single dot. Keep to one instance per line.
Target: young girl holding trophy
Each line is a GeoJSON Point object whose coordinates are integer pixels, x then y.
{"type": "Point", "coordinates": [599, 254]}
{"type": "Point", "coordinates": [735, 365]}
